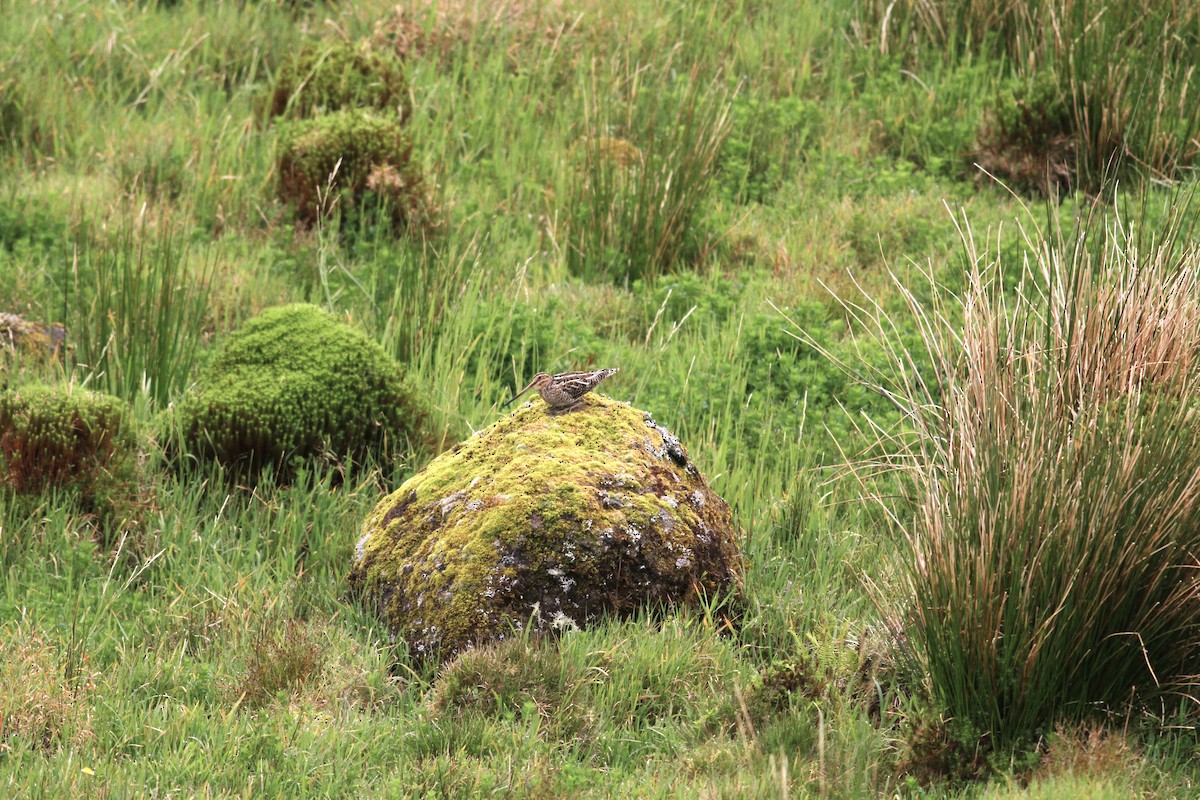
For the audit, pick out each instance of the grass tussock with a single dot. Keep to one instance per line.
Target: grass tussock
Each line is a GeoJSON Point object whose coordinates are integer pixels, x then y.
{"type": "Point", "coordinates": [281, 660]}
{"type": "Point", "coordinates": [1054, 468]}
{"type": "Point", "coordinates": [647, 168]}
{"type": "Point", "coordinates": [136, 304]}
{"type": "Point", "coordinates": [45, 701]}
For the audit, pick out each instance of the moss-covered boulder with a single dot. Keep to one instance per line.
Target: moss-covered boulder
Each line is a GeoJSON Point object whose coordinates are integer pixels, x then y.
{"type": "Point", "coordinates": [363, 160]}
{"type": "Point", "coordinates": [65, 437]}
{"type": "Point", "coordinates": [25, 337]}
{"type": "Point", "coordinates": [296, 382]}
{"type": "Point", "coordinates": [545, 522]}
{"type": "Point", "coordinates": [341, 76]}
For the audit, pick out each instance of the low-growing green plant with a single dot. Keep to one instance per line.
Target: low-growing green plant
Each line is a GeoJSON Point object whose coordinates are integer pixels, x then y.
{"type": "Point", "coordinates": [673, 299]}
{"type": "Point", "coordinates": [34, 225]}
{"type": "Point", "coordinates": [928, 120]}
{"type": "Point", "coordinates": [1027, 137]}
{"type": "Point", "coordinates": [341, 76]}
{"type": "Point", "coordinates": [768, 140]}
{"type": "Point", "coordinates": [296, 382]}
{"type": "Point", "coordinates": [803, 379]}
{"type": "Point", "coordinates": [65, 437]}
{"type": "Point", "coordinates": [361, 159]}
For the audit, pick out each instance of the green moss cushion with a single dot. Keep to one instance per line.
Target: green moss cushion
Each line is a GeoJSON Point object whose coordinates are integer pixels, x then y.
{"type": "Point", "coordinates": [338, 77]}
{"type": "Point", "coordinates": [349, 155]}
{"type": "Point", "coordinates": [549, 522]}
{"type": "Point", "coordinates": [295, 382]}
{"type": "Point", "coordinates": [55, 436]}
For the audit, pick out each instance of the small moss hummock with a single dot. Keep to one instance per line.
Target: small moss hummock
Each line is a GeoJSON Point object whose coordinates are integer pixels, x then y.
{"type": "Point", "coordinates": [297, 382]}
{"type": "Point", "coordinates": [64, 437]}
{"type": "Point", "coordinates": [339, 77]}
{"type": "Point", "coordinates": [353, 156]}
{"type": "Point", "coordinates": [545, 522]}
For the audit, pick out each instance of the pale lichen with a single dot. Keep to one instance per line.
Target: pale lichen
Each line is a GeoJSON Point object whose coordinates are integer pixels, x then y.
{"type": "Point", "coordinates": [542, 518]}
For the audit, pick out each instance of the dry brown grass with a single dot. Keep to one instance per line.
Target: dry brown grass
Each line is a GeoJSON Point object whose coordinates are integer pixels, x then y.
{"type": "Point", "coordinates": [280, 659]}
{"type": "Point", "coordinates": [438, 28]}
{"type": "Point", "coordinates": [45, 702]}
{"type": "Point", "coordinates": [315, 667]}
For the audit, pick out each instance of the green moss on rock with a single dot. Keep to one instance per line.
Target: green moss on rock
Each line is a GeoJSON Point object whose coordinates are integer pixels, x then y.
{"type": "Point", "coordinates": [25, 337]}
{"type": "Point", "coordinates": [297, 382]}
{"type": "Point", "coordinates": [357, 156]}
{"type": "Point", "coordinates": [338, 77]}
{"type": "Point", "coordinates": [64, 437]}
{"type": "Point", "coordinates": [549, 522]}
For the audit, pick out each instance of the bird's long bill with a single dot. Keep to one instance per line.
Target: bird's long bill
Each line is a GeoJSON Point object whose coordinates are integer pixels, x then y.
{"type": "Point", "coordinates": [518, 394]}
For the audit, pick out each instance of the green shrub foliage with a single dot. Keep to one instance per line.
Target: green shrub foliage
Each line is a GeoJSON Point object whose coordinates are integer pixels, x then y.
{"type": "Point", "coordinates": [1111, 86]}
{"type": "Point", "coordinates": [297, 382]}
{"type": "Point", "coordinates": [339, 77]}
{"type": "Point", "coordinates": [768, 140]}
{"type": "Point", "coordinates": [361, 158]}
{"type": "Point", "coordinates": [64, 437]}
{"type": "Point", "coordinates": [1028, 139]}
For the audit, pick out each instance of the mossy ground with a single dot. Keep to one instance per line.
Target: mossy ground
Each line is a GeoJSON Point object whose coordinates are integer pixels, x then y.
{"type": "Point", "coordinates": [546, 521]}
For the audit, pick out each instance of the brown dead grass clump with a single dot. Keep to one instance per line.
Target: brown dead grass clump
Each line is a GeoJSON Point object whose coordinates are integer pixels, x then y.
{"type": "Point", "coordinates": [311, 666]}
{"type": "Point", "coordinates": [432, 29]}
{"type": "Point", "coordinates": [44, 700]}
{"type": "Point", "coordinates": [281, 660]}
{"type": "Point", "coordinates": [1087, 750]}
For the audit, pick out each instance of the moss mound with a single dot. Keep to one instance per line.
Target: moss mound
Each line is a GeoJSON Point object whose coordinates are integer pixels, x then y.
{"type": "Point", "coordinates": [339, 77]}
{"type": "Point", "coordinates": [64, 437]}
{"type": "Point", "coordinates": [297, 382]}
{"type": "Point", "coordinates": [363, 158]}
{"type": "Point", "coordinates": [548, 522]}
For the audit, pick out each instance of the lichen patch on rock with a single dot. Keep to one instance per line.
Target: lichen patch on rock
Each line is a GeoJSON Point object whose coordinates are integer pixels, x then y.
{"type": "Point", "coordinates": [545, 521]}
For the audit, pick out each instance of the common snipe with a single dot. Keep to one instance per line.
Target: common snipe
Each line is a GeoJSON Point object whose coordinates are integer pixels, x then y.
{"type": "Point", "coordinates": [565, 390]}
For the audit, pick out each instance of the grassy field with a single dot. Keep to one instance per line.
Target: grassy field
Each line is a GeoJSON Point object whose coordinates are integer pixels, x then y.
{"type": "Point", "coordinates": [915, 283]}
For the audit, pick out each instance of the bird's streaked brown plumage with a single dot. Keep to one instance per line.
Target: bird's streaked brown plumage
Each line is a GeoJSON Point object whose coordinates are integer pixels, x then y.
{"type": "Point", "coordinates": [565, 390]}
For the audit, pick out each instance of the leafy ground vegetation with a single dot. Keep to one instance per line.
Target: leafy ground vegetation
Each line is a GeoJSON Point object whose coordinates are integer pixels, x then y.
{"type": "Point", "coordinates": [915, 282]}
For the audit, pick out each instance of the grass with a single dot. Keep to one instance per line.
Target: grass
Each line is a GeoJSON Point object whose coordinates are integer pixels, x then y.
{"type": "Point", "coordinates": [1052, 435]}
{"type": "Point", "coordinates": [663, 187]}
{"type": "Point", "coordinates": [1120, 93]}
